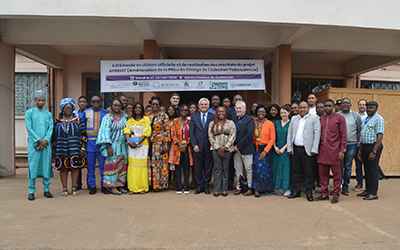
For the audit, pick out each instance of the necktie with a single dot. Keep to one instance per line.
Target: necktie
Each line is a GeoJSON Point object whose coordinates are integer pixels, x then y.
{"type": "Point", "coordinates": [203, 121]}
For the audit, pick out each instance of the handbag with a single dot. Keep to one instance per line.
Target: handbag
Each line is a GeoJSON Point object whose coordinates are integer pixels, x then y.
{"type": "Point", "coordinates": [244, 186]}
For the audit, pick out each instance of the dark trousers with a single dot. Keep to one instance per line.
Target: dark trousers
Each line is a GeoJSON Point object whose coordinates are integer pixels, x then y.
{"type": "Point", "coordinates": [203, 168]}
{"type": "Point", "coordinates": [185, 165]}
{"type": "Point", "coordinates": [231, 171]}
{"type": "Point", "coordinates": [302, 169]}
{"type": "Point", "coordinates": [221, 169]}
{"type": "Point", "coordinates": [371, 167]}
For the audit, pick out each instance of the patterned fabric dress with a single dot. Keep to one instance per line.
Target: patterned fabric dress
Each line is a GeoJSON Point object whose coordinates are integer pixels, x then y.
{"type": "Point", "coordinates": [67, 136]}
{"type": "Point", "coordinates": [158, 162]}
{"type": "Point", "coordinates": [263, 176]}
{"type": "Point", "coordinates": [282, 163]}
{"type": "Point", "coordinates": [137, 168]}
{"type": "Point", "coordinates": [112, 131]}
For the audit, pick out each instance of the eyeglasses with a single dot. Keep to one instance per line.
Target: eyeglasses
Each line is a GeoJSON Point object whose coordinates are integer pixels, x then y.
{"type": "Point", "coordinates": [117, 105]}
{"type": "Point", "coordinates": [155, 104]}
{"type": "Point", "coordinates": [95, 101]}
{"type": "Point", "coordinates": [261, 112]}
{"type": "Point", "coordinates": [183, 110]}
{"type": "Point", "coordinates": [68, 108]}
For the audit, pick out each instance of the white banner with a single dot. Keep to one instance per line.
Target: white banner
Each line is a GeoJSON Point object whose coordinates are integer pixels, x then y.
{"type": "Point", "coordinates": [181, 75]}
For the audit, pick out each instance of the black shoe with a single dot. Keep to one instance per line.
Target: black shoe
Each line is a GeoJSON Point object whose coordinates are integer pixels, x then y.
{"type": "Point", "coordinates": [92, 190]}
{"type": "Point", "coordinates": [31, 197]}
{"type": "Point", "coordinates": [78, 186]}
{"type": "Point", "coordinates": [310, 197]}
{"type": "Point", "coordinates": [345, 192]}
{"type": "Point", "coordinates": [105, 190]}
{"type": "Point", "coordinates": [198, 190]}
{"type": "Point", "coordinates": [216, 194]}
{"type": "Point", "coordinates": [294, 195]}
{"type": "Point", "coordinates": [224, 194]}
{"type": "Point", "coordinates": [206, 190]}
{"type": "Point", "coordinates": [48, 194]}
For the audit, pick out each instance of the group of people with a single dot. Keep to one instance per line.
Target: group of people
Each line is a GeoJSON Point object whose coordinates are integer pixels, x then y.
{"type": "Point", "coordinates": [278, 150]}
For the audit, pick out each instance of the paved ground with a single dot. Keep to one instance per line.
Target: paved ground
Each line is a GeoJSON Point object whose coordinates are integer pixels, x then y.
{"type": "Point", "coordinates": [166, 220]}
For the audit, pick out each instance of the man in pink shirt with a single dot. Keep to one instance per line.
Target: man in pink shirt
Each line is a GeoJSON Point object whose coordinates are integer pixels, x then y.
{"type": "Point", "coordinates": [332, 147]}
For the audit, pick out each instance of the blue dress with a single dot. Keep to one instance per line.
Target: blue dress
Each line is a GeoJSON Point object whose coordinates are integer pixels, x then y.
{"type": "Point", "coordinates": [263, 176]}
{"type": "Point", "coordinates": [67, 136]}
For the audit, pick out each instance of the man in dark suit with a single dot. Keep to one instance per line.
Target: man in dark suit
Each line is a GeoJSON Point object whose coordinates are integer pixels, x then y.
{"type": "Point", "coordinates": [198, 132]}
{"type": "Point", "coordinates": [244, 146]}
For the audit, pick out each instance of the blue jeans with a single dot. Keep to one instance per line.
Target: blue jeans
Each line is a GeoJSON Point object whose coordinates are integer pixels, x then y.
{"type": "Point", "coordinates": [351, 150]}
{"type": "Point", "coordinates": [359, 170]}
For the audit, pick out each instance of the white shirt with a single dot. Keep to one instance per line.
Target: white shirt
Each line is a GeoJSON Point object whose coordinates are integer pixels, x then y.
{"type": "Point", "coordinates": [363, 116]}
{"type": "Point", "coordinates": [298, 140]}
{"type": "Point", "coordinates": [313, 111]}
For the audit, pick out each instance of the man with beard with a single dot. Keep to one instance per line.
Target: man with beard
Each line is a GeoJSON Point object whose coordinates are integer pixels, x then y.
{"type": "Point", "coordinates": [353, 122]}
{"type": "Point", "coordinates": [370, 149]}
{"type": "Point", "coordinates": [312, 100]}
{"type": "Point", "coordinates": [39, 124]}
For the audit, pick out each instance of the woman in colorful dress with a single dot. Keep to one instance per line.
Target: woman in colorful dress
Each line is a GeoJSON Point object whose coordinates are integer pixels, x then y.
{"type": "Point", "coordinates": [181, 151]}
{"type": "Point", "coordinates": [160, 138]}
{"type": "Point", "coordinates": [264, 139]}
{"type": "Point", "coordinates": [171, 112]}
{"type": "Point", "coordinates": [136, 133]}
{"type": "Point", "coordinates": [281, 158]}
{"type": "Point", "coordinates": [68, 136]}
{"type": "Point", "coordinates": [111, 139]}
{"type": "Point", "coordinates": [222, 134]}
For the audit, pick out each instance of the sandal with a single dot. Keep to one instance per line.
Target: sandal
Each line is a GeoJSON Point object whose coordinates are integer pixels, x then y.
{"type": "Point", "coordinates": [64, 192]}
{"type": "Point", "coordinates": [131, 193]}
{"type": "Point", "coordinates": [74, 192]}
{"type": "Point", "coordinates": [142, 192]}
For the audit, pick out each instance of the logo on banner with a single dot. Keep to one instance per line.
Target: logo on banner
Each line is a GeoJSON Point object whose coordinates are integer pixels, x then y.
{"type": "Point", "coordinates": [119, 86]}
{"type": "Point", "coordinates": [186, 85]}
{"type": "Point", "coordinates": [200, 85]}
{"type": "Point", "coordinates": [219, 85]}
{"type": "Point", "coordinates": [156, 85]}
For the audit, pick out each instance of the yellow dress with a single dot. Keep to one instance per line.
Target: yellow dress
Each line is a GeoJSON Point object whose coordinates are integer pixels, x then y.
{"type": "Point", "coordinates": [137, 175]}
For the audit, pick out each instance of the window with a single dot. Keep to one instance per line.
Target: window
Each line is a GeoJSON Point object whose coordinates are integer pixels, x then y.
{"type": "Point", "coordinates": [25, 86]}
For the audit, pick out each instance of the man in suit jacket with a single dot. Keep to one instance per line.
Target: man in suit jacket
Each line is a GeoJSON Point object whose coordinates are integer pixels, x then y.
{"type": "Point", "coordinates": [302, 143]}
{"type": "Point", "coordinates": [198, 132]}
{"type": "Point", "coordinates": [244, 146]}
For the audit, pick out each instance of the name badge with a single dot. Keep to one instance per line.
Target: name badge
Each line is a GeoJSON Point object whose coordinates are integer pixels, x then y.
{"type": "Point", "coordinates": [183, 141]}
{"type": "Point", "coordinates": [258, 139]}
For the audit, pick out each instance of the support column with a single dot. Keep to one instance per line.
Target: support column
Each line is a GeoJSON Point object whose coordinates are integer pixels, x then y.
{"type": "Point", "coordinates": [351, 82]}
{"type": "Point", "coordinates": [150, 50]}
{"type": "Point", "coordinates": [285, 74]}
{"type": "Point", "coordinates": [275, 77]}
{"type": "Point", "coordinates": [7, 109]}
{"type": "Point", "coordinates": [60, 90]}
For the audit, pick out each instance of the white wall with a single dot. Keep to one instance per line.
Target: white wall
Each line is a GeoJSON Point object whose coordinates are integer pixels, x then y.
{"type": "Point", "coordinates": [356, 13]}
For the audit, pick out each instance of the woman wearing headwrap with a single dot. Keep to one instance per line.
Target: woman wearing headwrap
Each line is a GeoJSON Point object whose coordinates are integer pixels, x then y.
{"type": "Point", "coordinates": [68, 136]}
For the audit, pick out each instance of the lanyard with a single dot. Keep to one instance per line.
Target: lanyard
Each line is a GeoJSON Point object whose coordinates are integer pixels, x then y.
{"type": "Point", "coordinates": [368, 119]}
